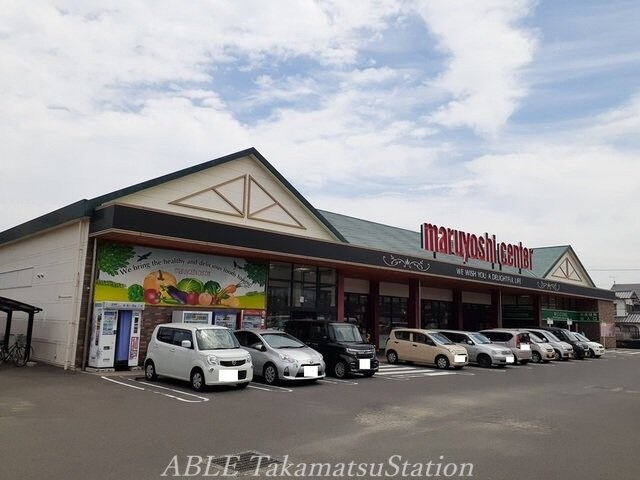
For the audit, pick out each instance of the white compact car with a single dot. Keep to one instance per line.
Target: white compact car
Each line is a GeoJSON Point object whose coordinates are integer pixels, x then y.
{"type": "Point", "coordinates": [596, 350]}
{"type": "Point", "coordinates": [201, 354]}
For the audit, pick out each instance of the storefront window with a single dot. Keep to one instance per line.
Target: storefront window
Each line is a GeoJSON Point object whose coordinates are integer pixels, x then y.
{"type": "Point", "coordinates": [295, 292]}
{"type": "Point", "coordinates": [437, 314]}
{"type": "Point", "coordinates": [393, 314]}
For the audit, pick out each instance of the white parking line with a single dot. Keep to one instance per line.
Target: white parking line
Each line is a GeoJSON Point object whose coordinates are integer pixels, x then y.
{"type": "Point", "coordinates": [200, 399]}
{"type": "Point", "coordinates": [337, 381]}
{"type": "Point", "coordinates": [399, 370]}
{"type": "Point", "coordinates": [121, 383]}
{"type": "Point", "coordinates": [269, 388]}
{"type": "Point", "coordinates": [204, 399]}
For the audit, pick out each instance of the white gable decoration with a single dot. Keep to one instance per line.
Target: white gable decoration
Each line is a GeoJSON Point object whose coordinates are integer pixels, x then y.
{"type": "Point", "coordinates": [241, 192]}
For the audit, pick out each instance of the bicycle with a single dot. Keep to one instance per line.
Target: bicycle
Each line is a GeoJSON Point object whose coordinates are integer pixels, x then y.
{"type": "Point", "coordinates": [16, 353]}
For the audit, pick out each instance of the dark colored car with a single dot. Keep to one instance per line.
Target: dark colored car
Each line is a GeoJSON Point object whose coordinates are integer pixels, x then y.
{"type": "Point", "coordinates": [340, 344]}
{"type": "Point", "coordinates": [580, 348]}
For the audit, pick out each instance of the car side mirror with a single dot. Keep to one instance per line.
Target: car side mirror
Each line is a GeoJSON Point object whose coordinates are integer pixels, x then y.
{"type": "Point", "coordinates": [469, 342]}
{"type": "Point", "coordinates": [260, 347]}
{"type": "Point", "coordinates": [186, 344]}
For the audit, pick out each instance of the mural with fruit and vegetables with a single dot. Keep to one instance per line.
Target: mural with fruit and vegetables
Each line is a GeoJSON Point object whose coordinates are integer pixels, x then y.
{"type": "Point", "coordinates": [173, 278]}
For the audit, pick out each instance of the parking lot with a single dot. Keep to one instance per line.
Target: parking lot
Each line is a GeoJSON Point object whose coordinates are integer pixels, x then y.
{"type": "Point", "coordinates": [575, 419]}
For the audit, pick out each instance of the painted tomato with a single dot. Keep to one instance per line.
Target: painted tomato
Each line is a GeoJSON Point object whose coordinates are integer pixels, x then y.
{"type": "Point", "coordinates": [193, 298]}
{"type": "Point", "coordinates": [151, 295]}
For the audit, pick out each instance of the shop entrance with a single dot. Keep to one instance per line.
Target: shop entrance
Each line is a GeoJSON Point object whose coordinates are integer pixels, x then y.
{"type": "Point", "coordinates": [123, 339]}
{"type": "Point", "coordinates": [476, 317]}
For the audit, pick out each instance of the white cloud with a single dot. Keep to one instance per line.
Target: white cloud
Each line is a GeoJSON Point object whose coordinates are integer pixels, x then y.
{"type": "Point", "coordinates": [487, 52]}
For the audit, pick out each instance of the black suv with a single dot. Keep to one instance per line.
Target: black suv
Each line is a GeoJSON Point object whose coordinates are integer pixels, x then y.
{"type": "Point", "coordinates": [580, 348]}
{"type": "Point", "coordinates": [340, 344]}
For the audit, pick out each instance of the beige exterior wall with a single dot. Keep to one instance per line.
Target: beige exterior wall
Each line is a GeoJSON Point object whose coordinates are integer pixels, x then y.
{"type": "Point", "coordinates": [46, 271]}
{"type": "Point", "coordinates": [440, 294]}
{"type": "Point", "coordinates": [356, 285]}
{"type": "Point", "coordinates": [394, 289]}
{"type": "Point", "coordinates": [240, 192]}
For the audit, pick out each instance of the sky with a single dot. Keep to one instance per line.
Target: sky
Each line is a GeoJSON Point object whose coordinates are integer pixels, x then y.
{"type": "Point", "coordinates": [514, 117]}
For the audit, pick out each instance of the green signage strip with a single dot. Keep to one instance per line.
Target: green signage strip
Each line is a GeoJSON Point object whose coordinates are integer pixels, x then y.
{"type": "Point", "coordinates": [574, 316]}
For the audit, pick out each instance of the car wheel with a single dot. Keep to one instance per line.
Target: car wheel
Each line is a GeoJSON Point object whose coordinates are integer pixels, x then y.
{"type": "Point", "coordinates": [484, 360]}
{"type": "Point", "coordinates": [240, 386]}
{"type": "Point", "coordinates": [442, 362]}
{"type": "Point", "coordinates": [592, 354]}
{"type": "Point", "coordinates": [150, 371]}
{"type": "Point", "coordinates": [392, 357]}
{"type": "Point", "coordinates": [270, 374]}
{"type": "Point", "coordinates": [557, 355]}
{"type": "Point", "coordinates": [535, 356]}
{"type": "Point", "coordinates": [340, 369]}
{"type": "Point", "coordinates": [197, 380]}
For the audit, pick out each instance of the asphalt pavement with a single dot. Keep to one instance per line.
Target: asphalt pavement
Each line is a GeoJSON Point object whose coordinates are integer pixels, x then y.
{"type": "Point", "coordinates": [577, 419]}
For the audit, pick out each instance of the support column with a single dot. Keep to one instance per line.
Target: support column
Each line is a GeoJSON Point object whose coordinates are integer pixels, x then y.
{"type": "Point", "coordinates": [496, 308]}
{"type": "Point", "coordinates": [27, 353]}
{"type": "Point", "coordinates": [413, 313]}
{"type": "Point", "coordinates": [374, 311]}
{"type": "Point", "coordinates": [340, 297]}
{"type": "Point", "coordinates": [537, 311]}
{"type": "Point", "coordinates": [7, 330]}
{"type": "Point", "coordinates": [458, 316]}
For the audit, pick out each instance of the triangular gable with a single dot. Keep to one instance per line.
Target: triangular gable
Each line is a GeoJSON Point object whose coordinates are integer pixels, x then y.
{"type": "Point", "coordinates": [569, 269]}
{"type": "Point", "coordinates": [244, 191]}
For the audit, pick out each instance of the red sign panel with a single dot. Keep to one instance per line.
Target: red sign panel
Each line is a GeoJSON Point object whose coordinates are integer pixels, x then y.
{"type": "Point", "coordinates": [478, 247]}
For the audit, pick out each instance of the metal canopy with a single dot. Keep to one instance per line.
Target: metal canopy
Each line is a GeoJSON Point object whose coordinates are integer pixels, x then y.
{"type": "Point", "coordinates": [9, 306]}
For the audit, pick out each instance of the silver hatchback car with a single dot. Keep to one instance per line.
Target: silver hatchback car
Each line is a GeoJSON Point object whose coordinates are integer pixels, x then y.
{"type": "Point", "coordinates": [278, 356]}
{"type": "Point", "coordinates": [480, 348]}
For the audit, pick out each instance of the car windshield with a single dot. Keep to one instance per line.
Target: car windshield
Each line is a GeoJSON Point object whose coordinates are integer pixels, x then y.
{"type": "Point", "coordinates": [479, 338]}
{"type": "Point", "coordinates": [346, 333]}
{"type": "Point", "coordinates": [581, 337]}
{"type": "Point", "coordinates": [215, 339]}
{"type": "Point", "coordinates": [571, 336]}
{"type": "Point", "coordinates": [552, 337]}
{"type": "Point", "coordinates": [282, 340]}
{"type": "Point", "coordinates": [440, 339]}
{"type": "Point", "coordinates": [536, 338]}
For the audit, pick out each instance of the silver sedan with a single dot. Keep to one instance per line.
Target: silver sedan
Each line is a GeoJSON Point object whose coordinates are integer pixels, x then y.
{"type": "Point", "coordinates": [278, 356]}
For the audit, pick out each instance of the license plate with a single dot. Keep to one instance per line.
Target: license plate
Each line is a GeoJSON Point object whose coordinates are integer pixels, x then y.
{"type": "Point", "coordinates": [525, 346]}
{"type": "Point", "coordinates": [459, 358]}
{"type": "Point", "coordinates": [364, 364]}
{"type": "Point", "coordinates": [509, 359]}
{"type": "Point", "coordinates": [310, 371]}
{"type": "Point", "coordinates": [228, 375]}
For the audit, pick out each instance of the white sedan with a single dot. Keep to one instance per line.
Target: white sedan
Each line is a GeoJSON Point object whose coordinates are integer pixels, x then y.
{"type": "Point", "coordinates": [596, 350]}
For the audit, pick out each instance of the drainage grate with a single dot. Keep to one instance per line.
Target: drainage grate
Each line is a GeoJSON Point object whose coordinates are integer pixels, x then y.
{"type": "Point", "coordinates": [244, 462]}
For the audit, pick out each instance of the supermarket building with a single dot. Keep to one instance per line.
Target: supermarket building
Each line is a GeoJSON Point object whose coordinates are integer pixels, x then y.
{"type": "Point", "coordinates": [232, 242]}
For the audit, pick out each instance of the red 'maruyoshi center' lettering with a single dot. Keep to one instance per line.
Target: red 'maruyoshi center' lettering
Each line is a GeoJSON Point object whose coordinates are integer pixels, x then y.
{"type": "Point", "coordinates": [478, 247]}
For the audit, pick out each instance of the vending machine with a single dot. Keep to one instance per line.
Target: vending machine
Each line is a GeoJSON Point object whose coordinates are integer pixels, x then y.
{"type": "Point", "coordinates": [115, 335]}
{"type": "Point", "coordinates": [182, 316]}
{"type": "Point", "coordinates": [253, 319]}
{"type": "Point", "coordinates": [226, 318]}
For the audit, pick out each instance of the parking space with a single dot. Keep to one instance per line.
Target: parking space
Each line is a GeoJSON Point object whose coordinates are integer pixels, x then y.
{"type": "Point", "coordinates": [180, 391]}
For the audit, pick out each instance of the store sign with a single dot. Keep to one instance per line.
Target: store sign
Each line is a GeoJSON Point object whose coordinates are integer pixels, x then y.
{"type": "Point", "coordinates": [171, 278]}
{"type": "Point", "coordinates": [569, 316]}
{"type": "Point", "coordinates": [477, 247]}
{"type": "Point", "coordinates": [488, 276]}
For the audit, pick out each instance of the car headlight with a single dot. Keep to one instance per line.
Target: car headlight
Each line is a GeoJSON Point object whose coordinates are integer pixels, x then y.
{"type": "Point", "coordinates": [286, 358]}
{"type": "Point", "coordinates": [248, 358]}
{"type": "Point", "coordinates": [353, 351]}
{"type": "Point", "coordinates": [212, 360]}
